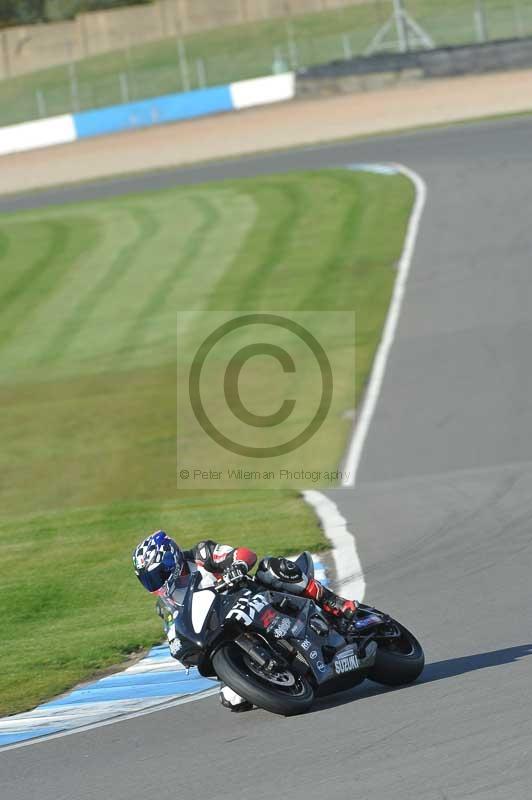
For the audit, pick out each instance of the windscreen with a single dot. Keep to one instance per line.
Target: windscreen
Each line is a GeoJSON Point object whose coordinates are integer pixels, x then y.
{"type": "Point", "coordinates": [177, 588]}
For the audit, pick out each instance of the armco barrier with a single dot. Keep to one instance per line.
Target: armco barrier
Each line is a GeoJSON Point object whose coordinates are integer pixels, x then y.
{"type": "Point", "coordinates": [437, 63]}
{"type": "Point", "coordinates": [155, 111]}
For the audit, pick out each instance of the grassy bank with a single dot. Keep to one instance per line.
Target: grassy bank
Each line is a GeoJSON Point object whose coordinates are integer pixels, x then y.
{"type": "Point", "coordinates": [88, 404]}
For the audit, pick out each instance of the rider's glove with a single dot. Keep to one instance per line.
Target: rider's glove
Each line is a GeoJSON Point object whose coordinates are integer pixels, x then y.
{"type": "Point", "coordinates": [235, 572]}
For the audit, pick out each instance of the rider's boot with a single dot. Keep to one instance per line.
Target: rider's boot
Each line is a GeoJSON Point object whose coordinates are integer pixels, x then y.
{"type": "Point", "coordinates": [231, 700]}
{"type": "Point", "coordinates": [330, 602]}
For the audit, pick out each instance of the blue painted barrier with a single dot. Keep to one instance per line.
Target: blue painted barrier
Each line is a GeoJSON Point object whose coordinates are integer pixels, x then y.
{"type": "Point", "coordinates": [157, 110]}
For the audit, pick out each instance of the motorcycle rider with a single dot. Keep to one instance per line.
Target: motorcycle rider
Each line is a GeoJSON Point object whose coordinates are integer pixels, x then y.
{"type": "Point", "coordinates": [164, 569]}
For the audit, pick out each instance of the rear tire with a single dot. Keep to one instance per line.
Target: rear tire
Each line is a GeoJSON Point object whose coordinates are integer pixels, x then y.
{"type": "Point", "coordinates": [231, 668]}
{"type": "Point", "coordinates": [400, 663]}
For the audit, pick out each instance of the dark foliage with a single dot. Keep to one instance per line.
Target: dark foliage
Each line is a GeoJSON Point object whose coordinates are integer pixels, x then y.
{"type": "Point", "coordinates": [24, 12]}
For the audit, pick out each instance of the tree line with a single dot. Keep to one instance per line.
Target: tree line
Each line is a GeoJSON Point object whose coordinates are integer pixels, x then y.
{"type": "Point", "coordinates": [26, 12]}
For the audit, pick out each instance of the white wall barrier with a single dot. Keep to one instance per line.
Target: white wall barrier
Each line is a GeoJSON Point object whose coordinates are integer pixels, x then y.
{"type": "Point", "coordinates": [41, 133]}
{"type": "Point", "coordinates": [260, 91]}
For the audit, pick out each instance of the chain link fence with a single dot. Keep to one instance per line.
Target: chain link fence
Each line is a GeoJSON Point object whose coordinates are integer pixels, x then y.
{"type": "Point", "coordinates": [182, 64]}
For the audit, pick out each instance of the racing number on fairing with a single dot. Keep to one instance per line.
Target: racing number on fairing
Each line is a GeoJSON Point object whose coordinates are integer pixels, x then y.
{"type": "Point", "coordinates": [246, 609]}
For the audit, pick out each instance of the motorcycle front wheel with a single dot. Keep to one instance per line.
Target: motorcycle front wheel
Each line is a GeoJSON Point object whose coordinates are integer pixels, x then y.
{"type": "Point", "coordinates": [398, 661]}
{"type": "Point", "coordinates": [281, 692]}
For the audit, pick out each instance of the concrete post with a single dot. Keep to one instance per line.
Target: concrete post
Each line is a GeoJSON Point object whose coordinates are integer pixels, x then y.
{"type": "Point", "coordinates": [183, 64]}
{"type": "Point", "coordinates": [480, 21]}
{"type": "Point", "coordinates": [41, 103]}
{"type": "Point", "coordinates": [74, 86]}
{"type": "Point", "coordinates": [201, 73]}
{"type": "Point", "coordinates": [124, 87]}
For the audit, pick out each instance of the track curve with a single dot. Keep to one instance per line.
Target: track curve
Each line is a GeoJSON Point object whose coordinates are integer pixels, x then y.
{"type": "Point", "coordinates": [441, 510]}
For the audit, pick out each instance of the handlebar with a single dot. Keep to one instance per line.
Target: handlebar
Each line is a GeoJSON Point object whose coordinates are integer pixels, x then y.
{"type": "Point", "coordinates": [220, 584]}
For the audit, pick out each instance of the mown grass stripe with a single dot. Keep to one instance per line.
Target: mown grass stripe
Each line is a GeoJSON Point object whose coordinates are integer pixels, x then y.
{"type": "Point", "coordinates": [147, 228]}
{"type": "Point", "coordinates": [29, 289]}
{"type": "Point", "coordinates": [277, 239]}
{"type": "Point", "coordinates": [209, 218]}
{"type": "Point", "coordinates": [325, 285]}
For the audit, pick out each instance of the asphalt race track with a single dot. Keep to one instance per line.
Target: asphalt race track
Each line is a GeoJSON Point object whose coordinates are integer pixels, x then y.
{"type": "Point", "coordinates": [442, 512]}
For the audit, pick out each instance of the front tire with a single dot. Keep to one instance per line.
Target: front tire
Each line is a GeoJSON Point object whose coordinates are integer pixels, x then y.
{"type": "Point", "coordinates": [230, 665]}
{"type": "Point", "coordinates": [398, 661]}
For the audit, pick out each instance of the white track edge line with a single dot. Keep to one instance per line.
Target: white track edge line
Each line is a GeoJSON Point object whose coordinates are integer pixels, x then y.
{"type": "Point", "coordinates": [349, 575]}
{"type": "Point", "coordinates": [354, 453]}
{"type": "Point", "coordinates": [349, 572]}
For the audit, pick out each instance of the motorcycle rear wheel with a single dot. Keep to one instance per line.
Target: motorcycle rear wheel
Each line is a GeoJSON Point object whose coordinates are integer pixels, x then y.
{"type": "Point", "coordinates": [398, 662]}
{"type": "Point", "coordinates": [230, 665]}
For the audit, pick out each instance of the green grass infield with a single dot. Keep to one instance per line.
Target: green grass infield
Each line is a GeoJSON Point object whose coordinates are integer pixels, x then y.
{"type": "Point", "coordinates": [88, 304]}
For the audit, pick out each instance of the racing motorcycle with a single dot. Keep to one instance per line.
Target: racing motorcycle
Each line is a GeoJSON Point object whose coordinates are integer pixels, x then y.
{"type": "Point", "coordinates": [280, 651]}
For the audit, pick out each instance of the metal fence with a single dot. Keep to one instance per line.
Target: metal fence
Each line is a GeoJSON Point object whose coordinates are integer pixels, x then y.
{"type": "Point", "coordinates": [180, 65]}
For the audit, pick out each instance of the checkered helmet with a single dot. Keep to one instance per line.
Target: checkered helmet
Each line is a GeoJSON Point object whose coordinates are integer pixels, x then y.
{"type": "Point", "coordinates": [155, 559]}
